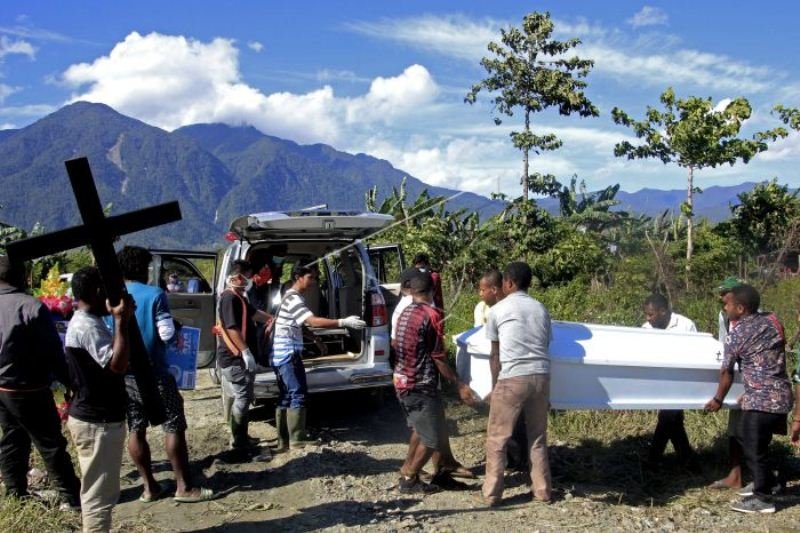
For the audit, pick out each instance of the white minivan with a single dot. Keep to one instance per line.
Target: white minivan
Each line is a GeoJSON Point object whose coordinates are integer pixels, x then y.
{"type": "Point", "coordinates": [353, 279]}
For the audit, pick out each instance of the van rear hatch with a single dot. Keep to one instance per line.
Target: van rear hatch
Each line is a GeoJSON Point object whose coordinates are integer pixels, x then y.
{"type": "Point", "coordinates": [309, 225]}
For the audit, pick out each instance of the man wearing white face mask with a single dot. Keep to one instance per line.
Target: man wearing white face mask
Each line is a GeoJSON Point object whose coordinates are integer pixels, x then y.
{"type": "Point", "coordinates": [235, 347]}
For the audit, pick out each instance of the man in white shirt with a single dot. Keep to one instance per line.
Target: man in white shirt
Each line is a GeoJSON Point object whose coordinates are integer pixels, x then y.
{"type": "Point", "coordinates": [405, 298]}
{"type": "Point", "coordinates": [490, 291]}
{"type": "Point", "coordinates": [670, 422]}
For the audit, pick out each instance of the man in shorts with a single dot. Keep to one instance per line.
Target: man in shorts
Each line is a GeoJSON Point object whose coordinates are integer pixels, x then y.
{"type": "Point", "coordinates": [157, 328]}
{"type": "Point", "coordinates": [421, 359]}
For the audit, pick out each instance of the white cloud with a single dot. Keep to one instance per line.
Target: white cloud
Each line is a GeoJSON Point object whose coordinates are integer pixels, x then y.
{"type": "Point", "coordinates": [450, 35]}
{"type": "Point", "coordinates": [8, 47]}
{"type": "Point", "coordinates": [648, 16]}
{"type": "Point", "coordinates": [171, 81]}
{"type": "Point", "coordinates": [624, 57]}
{"type": "Point", "coordinates": [390, 97]}
{"type": "Point", "coordinates": [339, 75]}
{"type": "Point", "coordinates": [7, 126]}
{"type": "Point", "coordinates": [255, 46]}
{"type": "Point", "coordinates": [782, 149]}
{"type": "Point", "coordinates": [470, 164]}
{"type": "Point", "coordinates": [6, 91]}
{"type": "Point", "coordinates": [27, 111]}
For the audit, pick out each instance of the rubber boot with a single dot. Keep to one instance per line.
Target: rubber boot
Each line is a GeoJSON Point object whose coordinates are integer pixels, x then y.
{"type": "Point", "coordinates": [296, 420]}
{"type": "Point", "coordinates": [239, 438]}
{"type": "Point", "coordinates": [283, 430]}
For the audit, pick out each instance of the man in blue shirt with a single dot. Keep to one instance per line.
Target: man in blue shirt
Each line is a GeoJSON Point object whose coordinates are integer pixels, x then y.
{"type": "Point", "coordinates": [157, 328]}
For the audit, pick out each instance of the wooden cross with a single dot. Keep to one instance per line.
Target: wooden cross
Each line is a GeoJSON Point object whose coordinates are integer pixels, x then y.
{"type": "Point", "coordinates": [99, 232]}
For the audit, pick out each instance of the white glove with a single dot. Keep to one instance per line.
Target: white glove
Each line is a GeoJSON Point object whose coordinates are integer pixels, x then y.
{"type": "Point", "coordinates": [249, 360]}
{"type": "Point", "coordinates": [352, 322]}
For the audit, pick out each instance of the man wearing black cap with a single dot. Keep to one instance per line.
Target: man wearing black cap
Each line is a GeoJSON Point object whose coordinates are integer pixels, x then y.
{"type": "Point", "coordinates": [443, 460]}
{"type": "Point", "coordinates": [30, 354]}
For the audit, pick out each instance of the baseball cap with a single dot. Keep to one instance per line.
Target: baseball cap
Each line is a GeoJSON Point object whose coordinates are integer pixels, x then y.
{"type": "Point", "coordinates": [407, 275]}
{"type": "Point", "coordinates": [729, 283]}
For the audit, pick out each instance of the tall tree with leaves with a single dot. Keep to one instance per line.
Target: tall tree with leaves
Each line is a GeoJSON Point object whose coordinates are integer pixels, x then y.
{"type": "Point", "coordinates": [694, 135]}
{"type": "Point", "coordinates": [789, 116]}
{"type": "Point", "coordinates": [531, 72]}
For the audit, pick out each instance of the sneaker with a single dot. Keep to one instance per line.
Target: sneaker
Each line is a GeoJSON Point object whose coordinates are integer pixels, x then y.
{"type": "Point", "coordinates": [412, 485]}
{"type": "Point", "coordinates": [752, 504]}
{"type": "Point", "coordinates": [747, 490]}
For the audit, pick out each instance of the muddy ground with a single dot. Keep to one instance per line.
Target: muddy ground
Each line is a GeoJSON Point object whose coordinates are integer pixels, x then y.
{"type": "Point", "coordinates": [348, 482]}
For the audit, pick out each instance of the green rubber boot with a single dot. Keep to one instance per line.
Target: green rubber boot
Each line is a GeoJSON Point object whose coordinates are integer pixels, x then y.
{"type": "Point", "coordinates": [282, 427]}
{"type": "Point", "coordinates": [296, 420]}
{"type": "Point", "coordinates": [239, 438]}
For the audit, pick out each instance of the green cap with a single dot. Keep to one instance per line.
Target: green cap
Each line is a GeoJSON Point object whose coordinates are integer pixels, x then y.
{"type": "Point", "coordinates": [729, 283]}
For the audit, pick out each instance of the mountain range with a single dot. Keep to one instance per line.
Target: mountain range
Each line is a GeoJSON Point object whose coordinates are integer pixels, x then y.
{"type": "Point", "coordinates": [218, 172]}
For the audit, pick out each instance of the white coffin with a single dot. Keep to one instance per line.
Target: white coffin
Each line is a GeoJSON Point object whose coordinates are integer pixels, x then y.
{"type": "Point", "coordinates": [610, 367]}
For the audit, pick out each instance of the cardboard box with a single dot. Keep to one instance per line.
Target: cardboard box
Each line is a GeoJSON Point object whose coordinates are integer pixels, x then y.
{"type": "Point", "coordinates": [182, 357]}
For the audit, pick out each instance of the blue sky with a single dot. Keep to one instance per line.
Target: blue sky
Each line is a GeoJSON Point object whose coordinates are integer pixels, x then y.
{"type": "Point", "coordinates": [388, 78]}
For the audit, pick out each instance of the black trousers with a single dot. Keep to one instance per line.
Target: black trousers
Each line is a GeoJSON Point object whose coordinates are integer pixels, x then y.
{"type": "Point", "coordinates": [670, 428]}
{"type": "Point", "coordinates": [756, 432]}
{"type": "Point", "coordinates": [27, 417]}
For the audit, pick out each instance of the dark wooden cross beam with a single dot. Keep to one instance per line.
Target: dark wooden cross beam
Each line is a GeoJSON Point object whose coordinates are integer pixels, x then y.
{"type": "Point", "coordinates": [99, 232]}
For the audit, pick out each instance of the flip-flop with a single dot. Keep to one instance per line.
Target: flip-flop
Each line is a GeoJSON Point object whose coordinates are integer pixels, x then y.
{"type": "Point", "coordinates": [203, 496]}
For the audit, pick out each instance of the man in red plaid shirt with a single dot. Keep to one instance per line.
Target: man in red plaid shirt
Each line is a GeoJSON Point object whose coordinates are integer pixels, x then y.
{"type": "Point", "coordinates": [421, 358]}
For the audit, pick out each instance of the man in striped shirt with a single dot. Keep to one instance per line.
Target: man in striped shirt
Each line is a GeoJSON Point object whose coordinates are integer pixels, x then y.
{"type": "Point", "coordinates": [286, 356]}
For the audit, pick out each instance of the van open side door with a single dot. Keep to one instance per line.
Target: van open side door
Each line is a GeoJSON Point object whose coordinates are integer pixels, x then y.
{"type": "Point", "coordinates": [189, 279]}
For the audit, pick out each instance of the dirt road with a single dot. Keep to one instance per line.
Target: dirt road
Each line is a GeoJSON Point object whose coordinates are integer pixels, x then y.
{"type": "Point", "coordinates": [347, 482]}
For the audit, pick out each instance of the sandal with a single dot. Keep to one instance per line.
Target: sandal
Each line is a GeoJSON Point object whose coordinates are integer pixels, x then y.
{"type": "Point", "coordinates": [202, 495]}
{"type": "Point", "coordinates": [459, 471]}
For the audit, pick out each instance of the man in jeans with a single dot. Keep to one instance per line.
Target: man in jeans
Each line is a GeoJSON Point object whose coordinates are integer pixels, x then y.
{"type": "Point", "coordinates": [519, 330]}
{"type": "Point", "coordinates": [235, 348]}
{"type": "Point", "coordinates": [97, 365]}
{"type": "Point", "coordinates": [757, 344]}
{"type": "Point", "coordinates": [30, 352]}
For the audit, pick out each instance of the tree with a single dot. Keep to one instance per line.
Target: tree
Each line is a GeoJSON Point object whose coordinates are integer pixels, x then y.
{"type": "Point", "coordinates": [764, 215]}
{"type": "Point", "coordinates": [789, 116]}
{"type": "Point", "coordinates": [530, 71]}
{"type": "Point", "coordinates": [694, 135]}
{"type": "Point", "coordinates": [590, 210]}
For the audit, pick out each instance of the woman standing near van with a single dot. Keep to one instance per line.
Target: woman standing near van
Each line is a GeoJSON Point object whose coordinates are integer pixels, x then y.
{"type": "Point", "coordinates": [286, 356]}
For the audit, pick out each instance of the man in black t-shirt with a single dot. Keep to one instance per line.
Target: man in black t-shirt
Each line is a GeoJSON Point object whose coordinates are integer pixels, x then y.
{"type": "Point", "coordinates": [97, 366]}
{"type": "Point", "coordinates": [235, 345]}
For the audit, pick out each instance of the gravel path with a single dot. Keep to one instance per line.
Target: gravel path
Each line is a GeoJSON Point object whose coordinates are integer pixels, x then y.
{"type": "Point", "coordinates": [348, 483]}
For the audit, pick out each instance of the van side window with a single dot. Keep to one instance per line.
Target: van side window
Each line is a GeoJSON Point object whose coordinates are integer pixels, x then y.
{"type": "Point", "coordinates": [183, 276]}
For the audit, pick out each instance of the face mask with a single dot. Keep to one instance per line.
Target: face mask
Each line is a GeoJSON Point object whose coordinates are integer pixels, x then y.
{"type": "Point", "coordinates": [249, 284]}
